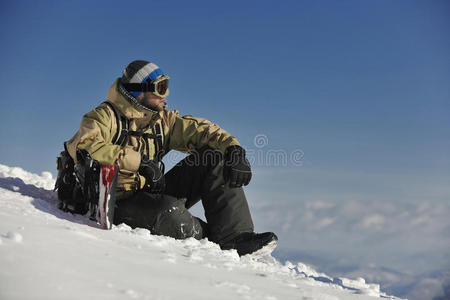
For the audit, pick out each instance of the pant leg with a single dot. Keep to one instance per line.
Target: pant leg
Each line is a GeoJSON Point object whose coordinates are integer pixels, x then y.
{"type": "Point", "coordinates": [161, 214]}
{"type": "Point", "coordinates": [200, 176]}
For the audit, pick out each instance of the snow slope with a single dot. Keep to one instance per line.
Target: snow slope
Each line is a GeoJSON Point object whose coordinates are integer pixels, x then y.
{"type": "Point", "coordinates": [48, 254]}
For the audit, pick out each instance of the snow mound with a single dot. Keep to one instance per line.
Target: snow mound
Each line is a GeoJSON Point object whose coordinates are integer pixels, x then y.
{"type": "Point", "coordinates": [44, 180]}
{"type": "Point", "coordinates": [56, 255]}
{"type": "Point", "coordinates": [14, 236]}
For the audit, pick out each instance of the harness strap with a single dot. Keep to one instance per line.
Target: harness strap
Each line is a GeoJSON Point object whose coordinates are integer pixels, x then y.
{"type": "Point", "coordinates": [123, 133]}
{"type": "Point", "coordinates": [122, 126]}
{"type": "Point", "coordinates": [158, 143]}
{"type": "Point", "coordinates": [143, 134]}
{"type": "Point", "coordinates": [118, 126]}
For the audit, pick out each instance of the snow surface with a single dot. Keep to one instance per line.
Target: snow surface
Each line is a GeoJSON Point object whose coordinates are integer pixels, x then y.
{"type": "Point", "coordinates": [44, 180]}
{"type": "Point", "coordinates": [48, 254]}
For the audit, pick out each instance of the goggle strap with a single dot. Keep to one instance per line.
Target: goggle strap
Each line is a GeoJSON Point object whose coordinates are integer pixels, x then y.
{"type": "Point", "coordinates": [139, 87]}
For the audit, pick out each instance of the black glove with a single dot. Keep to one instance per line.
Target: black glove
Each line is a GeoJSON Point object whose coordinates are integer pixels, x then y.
{"type": "Point", "coordinates": [154, 178]}
{"type": "Point", "coordinates": [237, 168]}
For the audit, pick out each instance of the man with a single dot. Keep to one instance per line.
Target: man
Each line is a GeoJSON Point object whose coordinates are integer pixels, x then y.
{"type": "Point", "coordinates": [133, 130]}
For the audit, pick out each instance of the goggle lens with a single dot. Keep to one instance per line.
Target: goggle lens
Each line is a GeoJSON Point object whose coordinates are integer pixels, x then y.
{"type": "Point", "coordinates": [162, 86]}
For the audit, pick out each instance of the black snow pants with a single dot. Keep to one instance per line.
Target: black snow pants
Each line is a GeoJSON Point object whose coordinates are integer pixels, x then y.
{"type": "Point", "coordinates": [197, 177]}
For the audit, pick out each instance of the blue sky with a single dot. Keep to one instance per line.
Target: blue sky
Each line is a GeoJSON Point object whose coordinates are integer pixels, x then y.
{"type": "Point", "coordinates": [362, 88]}
{"type": "Point", "coordinates": [352, 84]}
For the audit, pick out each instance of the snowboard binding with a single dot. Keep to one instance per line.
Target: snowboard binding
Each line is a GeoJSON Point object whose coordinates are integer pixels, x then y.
{"type": "Point", "coordinates": [86, 187]}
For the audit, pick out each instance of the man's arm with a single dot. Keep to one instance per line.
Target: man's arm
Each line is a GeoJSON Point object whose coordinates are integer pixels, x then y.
{"type": "Point", "coordinates": [94, 136]}
{"type": "Point", "coordinates": [188, 132]}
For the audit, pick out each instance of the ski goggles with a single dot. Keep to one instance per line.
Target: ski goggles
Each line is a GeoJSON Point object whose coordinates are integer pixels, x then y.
{"type": "Point", "coordinates": [159, 86]}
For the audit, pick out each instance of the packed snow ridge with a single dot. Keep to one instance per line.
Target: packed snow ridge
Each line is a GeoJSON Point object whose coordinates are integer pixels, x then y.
{"type": "Point", "coordinates": [44, 180]}
{"type": "Point", "coordinates": [48, 254]}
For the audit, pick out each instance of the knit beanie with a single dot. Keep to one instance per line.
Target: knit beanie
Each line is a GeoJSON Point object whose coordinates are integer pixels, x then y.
{"type": "Point", "coordinates": [139, 71]}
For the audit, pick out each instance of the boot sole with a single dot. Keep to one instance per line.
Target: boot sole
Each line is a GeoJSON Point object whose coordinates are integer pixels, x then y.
{"type": "Point", "coordinates": [266, 250]}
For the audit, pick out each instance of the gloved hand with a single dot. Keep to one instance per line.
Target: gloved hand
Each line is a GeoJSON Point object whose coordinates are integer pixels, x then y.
{"type": "Point", "coordinates": [237, 168]}
{"type": "Point", "coordinates": [154, 178]}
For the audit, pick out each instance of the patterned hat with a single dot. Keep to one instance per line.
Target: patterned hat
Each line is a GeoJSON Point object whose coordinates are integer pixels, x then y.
{"type": "Point", "coordinates": [139, 71]}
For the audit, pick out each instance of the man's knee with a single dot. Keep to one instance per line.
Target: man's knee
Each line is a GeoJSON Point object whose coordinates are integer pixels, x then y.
{"type": "Point", "coordinates": [176, 221]}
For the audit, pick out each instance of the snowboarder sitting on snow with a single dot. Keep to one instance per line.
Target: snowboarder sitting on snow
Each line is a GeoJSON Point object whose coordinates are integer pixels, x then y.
{"type": "Point", "coordinates": [133, 130]}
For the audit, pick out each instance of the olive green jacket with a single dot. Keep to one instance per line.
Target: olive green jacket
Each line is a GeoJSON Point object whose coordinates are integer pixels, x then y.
{"type": "Point", "coordinates": [99, 126]}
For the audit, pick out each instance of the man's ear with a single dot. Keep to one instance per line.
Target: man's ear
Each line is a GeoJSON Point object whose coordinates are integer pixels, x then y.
{"type": "Point", "coordinates": [141, 96]}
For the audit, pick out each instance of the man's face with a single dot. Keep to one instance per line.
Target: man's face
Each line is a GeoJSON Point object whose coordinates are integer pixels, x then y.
{"type": "Point", "coordinates": [150, 100]}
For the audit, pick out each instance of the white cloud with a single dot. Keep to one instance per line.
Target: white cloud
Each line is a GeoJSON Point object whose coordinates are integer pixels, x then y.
{"type": "Point", "coordinates": [374, 221]}
{"type": "Point", "coordinates": [394, 238]}
{"type": "Point", "coordinates": [323, 223]}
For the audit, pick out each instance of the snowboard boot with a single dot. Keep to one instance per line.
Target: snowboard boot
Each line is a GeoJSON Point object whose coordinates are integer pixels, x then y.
{"type": "Point", "coordinates": [251, 242]}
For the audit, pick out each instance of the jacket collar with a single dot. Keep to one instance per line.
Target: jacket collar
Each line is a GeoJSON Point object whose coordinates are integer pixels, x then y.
{"type": "Point", "coordinates": [127, 104]}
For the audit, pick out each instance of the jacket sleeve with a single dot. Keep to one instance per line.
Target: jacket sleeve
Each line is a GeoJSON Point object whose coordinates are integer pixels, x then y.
{"type": "Point", "coordinates": [188, 133]}
{"type": "Point", "coordinates": [95, 135]}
